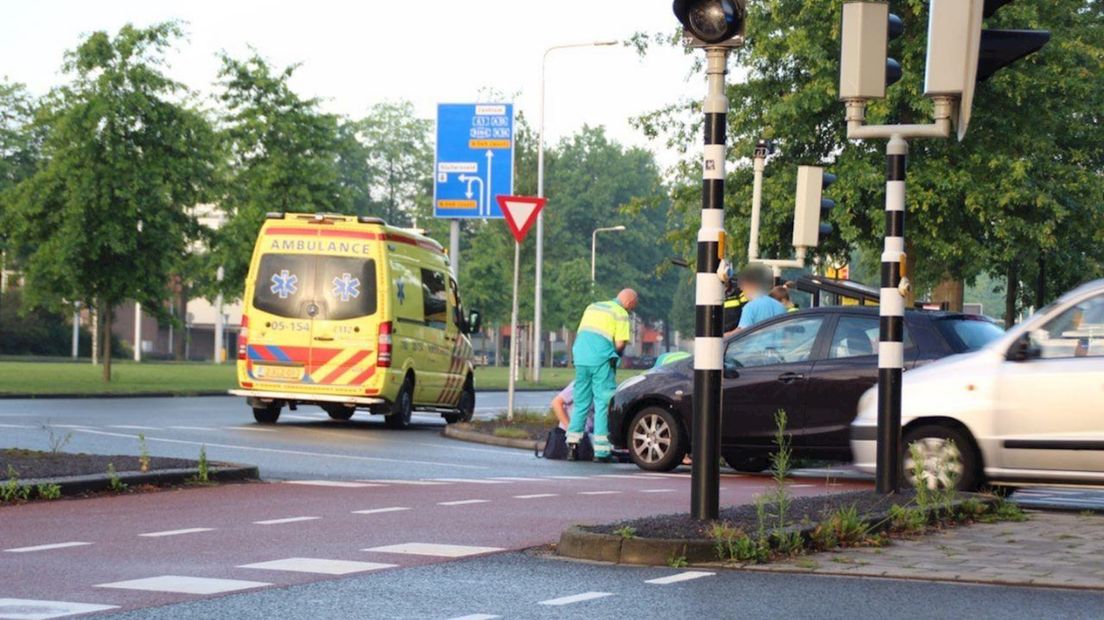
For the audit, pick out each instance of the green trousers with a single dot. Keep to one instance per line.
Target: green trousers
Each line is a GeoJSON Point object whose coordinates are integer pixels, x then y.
{"type": "Point", "coordinates": [593, 384]}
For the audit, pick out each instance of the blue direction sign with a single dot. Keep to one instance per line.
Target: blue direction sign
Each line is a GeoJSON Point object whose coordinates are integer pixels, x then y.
{"type": "Point", "coordinates": [475, 159]}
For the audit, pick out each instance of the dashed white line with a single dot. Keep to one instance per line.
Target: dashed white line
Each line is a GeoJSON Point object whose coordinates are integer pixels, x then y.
{"type": "Point", "coordinates": [427, 483]}
{"type": "Point", "coordinates": [575, 598]}
{"type": "Point", "coordinates": [16, 426]}
{"type": "Point", "coordinates": [184, 585]}
{"type": "Point", "coordinates": [536, 496]}
{"type": "Point", "coordinates": [303, 417]}
{"type": "Point", "coordinates": [570, 477]}
{"type": "Point", "coordinates": [686, 576]}
{"type": "Point", "coordinates": [285, 520]}
{"type": "Point", "coordinates": [207, 429]}
{"type": "Point", "coordinates": [472, 480]}
{"type": "Point", "coordinates": [657, 490]}
{"type": "Point", "coordinates": [343, 484]}
{"type": "Point", "coordinates": [434, 549]}
{"type": "Point", "coordinates": [318, 566]}
{"type": "Point", "coordinates": [476, 617]}
{"type": "Point", "coordinates": [659, 475]}
{"type": "Point", "coordinates": [625, 476]}
{"type": "Point", "coordinates": [599, 492]}
{"type": "Point", "coordinates": [374, 511]}
{"type": "Point", "coordinates": [254, 429]}
{"type": "Point", "coordinates": [518, 479]}
{"type": "Point", "coordinates": [76, 426]}
{"type": "Point", "coordinates": [190, 530]}
{"type": "Point", "coordinates": [464, 502]}
{"type": "Point", "coordinates": [64, 545]}
{"type": "Point", "coordinates": [27, 609]}
{"type": "Point", "coordinates": [134, 427]}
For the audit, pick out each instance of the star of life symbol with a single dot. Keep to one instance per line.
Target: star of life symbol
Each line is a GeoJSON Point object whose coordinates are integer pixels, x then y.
{"type": "Point", "coordinates": [283, 284]}
{"type": "Point", "coordinates": [401, 294]}
{"type": "Point", "coordinates": [346, 287]}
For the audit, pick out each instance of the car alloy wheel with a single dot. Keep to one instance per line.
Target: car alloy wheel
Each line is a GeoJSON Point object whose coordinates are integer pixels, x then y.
{"type": "Point", "coordinates": [940, 463]}
{"type": "Point", "coordinates": [651, 438]}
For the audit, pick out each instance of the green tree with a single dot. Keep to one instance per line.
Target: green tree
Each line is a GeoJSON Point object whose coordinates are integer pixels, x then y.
{"type": "Point", "coordinates": [105, 216]}
{"type": "Point", "coordinates": [1029, 168]}
{"type": "Point", "coordinates": [400, 156]}
{"type": "Point", "coordinates": [19, 152]}
{"type": "Point", "coordinates": [283, 154]}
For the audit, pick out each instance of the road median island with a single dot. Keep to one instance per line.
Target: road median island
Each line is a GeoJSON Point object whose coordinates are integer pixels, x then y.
{"type": "Point", "coordinates": [466, 431]}
{"type": "Point", "coordinates": [525, 431]}
{"type": "Point", "coordinates": [753, 534]}
{"type": "Point", "coordinates": [31, 475]}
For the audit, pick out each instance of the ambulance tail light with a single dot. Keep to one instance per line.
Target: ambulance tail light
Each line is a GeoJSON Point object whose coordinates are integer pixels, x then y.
{"type": "Point", "coordinates": [383, 358]}
{"type": "Point", "coordinates": [243, 337]}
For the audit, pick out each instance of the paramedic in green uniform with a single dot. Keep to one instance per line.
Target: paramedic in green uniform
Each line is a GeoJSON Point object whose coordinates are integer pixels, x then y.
{"type": "Point", "coordinates": [603, 332]}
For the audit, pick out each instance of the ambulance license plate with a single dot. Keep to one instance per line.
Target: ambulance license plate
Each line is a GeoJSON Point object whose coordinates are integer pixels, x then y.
{"type": "Point", "coordinates": [280, 373]}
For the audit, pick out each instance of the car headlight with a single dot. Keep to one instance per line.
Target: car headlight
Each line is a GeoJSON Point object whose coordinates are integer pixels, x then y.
{"type": "Point", "coordinates": [631, 381]}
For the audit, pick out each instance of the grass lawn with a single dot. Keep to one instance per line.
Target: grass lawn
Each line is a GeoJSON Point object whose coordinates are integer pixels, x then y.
{"type": "Point", "coordinates": [39, 377]}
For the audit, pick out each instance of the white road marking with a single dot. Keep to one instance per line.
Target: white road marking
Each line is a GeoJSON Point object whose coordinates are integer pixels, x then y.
{"type": "Point", "coordinates": [190, 530]}
{"type": "Point", "coordinates": [657, 490]}
{"type": "Point", "coordinates": [570, 477]}
{"type": "Point", "coordinates": [464, 502]}
{"type": "Point", "coordinates": [518, 479]}
{"type": "Point", "coordinates": [254, 429]}
{"type": "Point", "coordinates": [374, 511]}
{"type": "Point", "coordinates": [427, 483]}
{"type": "Point", "coordinates": [16, 426]}
{"type": "Point", "coordinates": [344, 484]}
{"type": "Point", "coordinates": [536, 495]}
{"type": "Point", "coordinates": [184, 585]}
{"type": "Point", "coordinates": [134, 427]}
{"type": "Point", "coordinates": [302, 417]}
{"type": "Point", "coordinates": [318, 566]}
{"type": "Point", "coordinates": [329, 455]}
{"type": "Point", "coordinates": [686, 576]}
{"type": "Point", "coordinates": [432, 549]}
{"type": "Point", "coordinates": [27, 609]}
{"type": "Point", "coordinates": [599, 492]}
{"type": "Point", "coordinates": [472, 480]}
{"type": "Point", "coordinates": [801, 486]}
{"type": "Point", "coordinates": [207, 429]}
{"type": "Point", "coordinates": [628, 476]}
{"type": "Point", "coordinates": [476, 617]}
{"type": "Point", "coordinates": [285, 520]}
{"type": "Point", "coordinates": [659, 475]}
{"type": "Point", "coordinates": [64, 545]}
{"type": "Point", "coordinates": [575, 598]}
{"type": "Point", "coordinates": [81, 427]}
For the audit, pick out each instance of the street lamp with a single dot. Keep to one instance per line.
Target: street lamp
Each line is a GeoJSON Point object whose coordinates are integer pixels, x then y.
{"type": "Point", "coordinates": [594, 246]}
{"type": "Point", "coordinates": [538, 293]}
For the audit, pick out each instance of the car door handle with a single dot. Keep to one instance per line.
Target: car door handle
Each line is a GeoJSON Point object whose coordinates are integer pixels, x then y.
{"type": "Point", "coordinates": [790, 377]}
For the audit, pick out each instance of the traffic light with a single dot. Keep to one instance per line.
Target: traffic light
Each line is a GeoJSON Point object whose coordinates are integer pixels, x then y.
{"type": "Point", "coordinates": [711, 22]}
{"type": "Point", "coordinates": [961, 53]}
{"type": "Point", "coordinates": [865, 67]}
{"type": "Point", "coordinates": [811, 208]}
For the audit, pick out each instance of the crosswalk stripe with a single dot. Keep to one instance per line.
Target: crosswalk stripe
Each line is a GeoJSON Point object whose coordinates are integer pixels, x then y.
{"type": "Point", "coordinates": [434, 549]}
{"type": "Point", "coordinates": [190, 530]}
{"type": "Point", "coordinates": [318, 566]}
{"type": "Point", "coordinates": [285, 520]}
{"type": "Point", "coordinates": [575, 598]}
{"type": "Point", "coordinates": [181, 584]}
{"type": "Point", "coordinates": [599, 492]}
{"type": "Point", "coordinates": [464, 502]}
{"type": "Point", "coordinates": [374, 511]}
{"type": "Point", "coordinates": [686, 576]}
{"type": "Point", "coordinates": [64, 545]}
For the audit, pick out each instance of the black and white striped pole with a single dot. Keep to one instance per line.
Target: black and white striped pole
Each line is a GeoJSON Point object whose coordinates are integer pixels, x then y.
{"type": "Point", "coordinates": [891, 359]}
{"type": "Point", "coordinates": [709, 323]}
{"type": "Point", "coordinates": [716, 26]}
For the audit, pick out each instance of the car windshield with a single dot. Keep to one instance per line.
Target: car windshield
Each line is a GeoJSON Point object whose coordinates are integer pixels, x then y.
{"type": "Point", "coordinates": [304, 286]}
{"type": "Point", "coordinates": [969, 333]}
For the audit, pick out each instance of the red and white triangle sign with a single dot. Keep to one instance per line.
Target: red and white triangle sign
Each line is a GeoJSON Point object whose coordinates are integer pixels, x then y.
{"type": "Point", "coordinates": [521, 212]}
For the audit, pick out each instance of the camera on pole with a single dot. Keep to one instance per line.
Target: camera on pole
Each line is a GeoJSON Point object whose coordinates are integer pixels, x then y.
{"type": "Point", "coordinates": [811, 208]}
{"type": "Point", "coordinates": [961, 54]}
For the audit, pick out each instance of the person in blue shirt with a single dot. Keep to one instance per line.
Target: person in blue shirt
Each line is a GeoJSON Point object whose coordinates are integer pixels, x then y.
{"type": "Point", "coordinates": [756, 282]}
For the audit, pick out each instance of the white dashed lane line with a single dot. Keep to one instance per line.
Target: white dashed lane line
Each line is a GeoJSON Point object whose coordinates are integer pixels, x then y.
{"type": "Point", "coordinates": [680, 577]}
{"type": "Point", "coordinates": [657, 490]}
{"type": "Point", "coordinates": [255, 429]}
{"type": "Point", "coordinates": [285, 520]}
{"type": "Point", "coordinates": [134, 427]}
{"type": "Point", "coordinates": [519, 479]}
{"type": "Point", "coordinates": [64, 545]}
{"type": "Point", "coordinates": [464, 502]}
{"type": "Point", "coordinates": [374, 511]}
{"type": "Point", "coordinates": [426, 483]}
{"type": "Point", "coordinates": [28, 609]}
{"type": "Point", "coordinates": [536, 496]}
{"type": "Point", "coordinates": [333, 483]}
{"type": "Point", "coordinates": [434, 550]}
{"type": "Point", "coordinates": [599, 492]}
{"type": "Point", "coordinates": [181, 584]}
{"type": "Point", "coordinates": [575, 598]}
{"type": "Point", "coordinates": [15, 426]}
{"type": "Point", "coordinates": [476, 617]}
{"type": "Point", "coordinates": [191, 530]}
{"type": "Point", "coordinates": [471, 480]}
{"type": "Point", "coordinates": [204, 429]}
{"type": "Point", "coordinates": [318, 566]}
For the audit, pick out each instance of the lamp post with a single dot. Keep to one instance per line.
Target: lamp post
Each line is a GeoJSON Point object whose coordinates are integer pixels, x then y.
{"type": "Point", "coordinates": [594, 247]}
{"type": "Point", "coordinates": [538, 295]}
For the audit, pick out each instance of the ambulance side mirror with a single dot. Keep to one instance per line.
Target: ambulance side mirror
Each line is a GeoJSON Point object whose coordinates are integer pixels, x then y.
{"type": "Point", "coordinates": [475, 322]}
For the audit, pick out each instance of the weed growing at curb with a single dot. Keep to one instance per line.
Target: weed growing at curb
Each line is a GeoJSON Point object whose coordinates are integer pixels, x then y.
{"type": "Point", "coordinates": [48, 491]}
{"type": "Point", "coordinates": [11, 491]}
{"type": "Point", "coordinates": [143, 453]}
{"type": "Point", "coordinates": [626, 532]}
{"type": "Point", "coordinates": [677, 561]}
{"type": "Point", "coordinates": [57, 442]}
{"type": "Point", "coordinates": [511, 433]}
{"type": "Point", "coordinates": [204, 475]}
{"type": "Point", "coordinates": [117, 485]}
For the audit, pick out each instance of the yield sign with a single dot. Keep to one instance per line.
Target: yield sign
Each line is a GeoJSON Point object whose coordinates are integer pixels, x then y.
{"type": "Point", "coordinates": [520, 212]}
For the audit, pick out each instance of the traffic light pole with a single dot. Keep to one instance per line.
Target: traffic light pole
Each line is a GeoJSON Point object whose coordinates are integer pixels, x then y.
{"type": "Point", "coordinates": [709, 323]}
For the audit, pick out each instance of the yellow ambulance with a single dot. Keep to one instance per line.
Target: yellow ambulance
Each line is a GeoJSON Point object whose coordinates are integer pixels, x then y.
{"type": "Point", "coordinates": [349, 314]}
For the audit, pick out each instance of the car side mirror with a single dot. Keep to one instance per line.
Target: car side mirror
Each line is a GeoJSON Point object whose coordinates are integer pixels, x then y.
{"type": "Point", "coordinates": [1023, 349]}
{"type": "Point", "coordinates": [475, 322]}
{"type": "Point", "coordinates": [731, 371]}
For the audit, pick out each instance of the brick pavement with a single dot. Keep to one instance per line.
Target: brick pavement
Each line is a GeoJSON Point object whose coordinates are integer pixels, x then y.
{"type": "Point", "coordinates": [1051, 549]}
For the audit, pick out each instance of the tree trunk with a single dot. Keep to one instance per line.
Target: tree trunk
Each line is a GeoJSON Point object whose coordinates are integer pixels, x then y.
{"type": "Point", "coordinates": [1010, 295]}
{"type": "Point", "coordinates": [107, 315]}
{"type": "Point", "coordinates": [570, 345]}
{"type": "Point", "coordinates": [498, 345]}
{"type": "Point", "coordinates": [1040, 283]}
{"type": "Point", "coordinates": [180, 313]}
{"type": "Point", "coordinates": [951, 291]}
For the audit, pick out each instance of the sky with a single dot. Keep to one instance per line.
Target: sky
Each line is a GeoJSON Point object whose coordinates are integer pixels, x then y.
{"type": "Point", "coordinates": [354, 54]}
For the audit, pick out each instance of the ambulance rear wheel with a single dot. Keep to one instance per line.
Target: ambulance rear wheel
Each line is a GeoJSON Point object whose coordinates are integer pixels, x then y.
{"type": "Point", "coordinates": [466, 409]}
{"type": "Point", "coordinates": [403, 407]}
{"type": "Point", "coordinates": [266, 413]}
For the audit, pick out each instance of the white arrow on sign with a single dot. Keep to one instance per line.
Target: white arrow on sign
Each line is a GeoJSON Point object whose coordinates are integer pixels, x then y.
{"type": "Point", "coordinates": [490, 188]}
{"type": "Point", "coordinates": [467, 178]}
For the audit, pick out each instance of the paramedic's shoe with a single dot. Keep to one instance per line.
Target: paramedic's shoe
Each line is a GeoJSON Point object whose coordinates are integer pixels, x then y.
{"type": "Point", "coordinates": [573, 452]}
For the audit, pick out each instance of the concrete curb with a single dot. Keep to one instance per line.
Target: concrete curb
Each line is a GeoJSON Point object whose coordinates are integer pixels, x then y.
{"type": "Point", "coordinates": [578, 543]}
{"type": "Point", "coordinates": [453, 432]}
{"type": "Point", "coordinates": [74, 485]}
{"type": "Point", "coordinates": [99, 395]}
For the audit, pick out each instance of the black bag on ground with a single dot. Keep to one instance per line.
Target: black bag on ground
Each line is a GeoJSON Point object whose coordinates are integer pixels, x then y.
{"type": "Point", "coordinates": [555, 446]}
